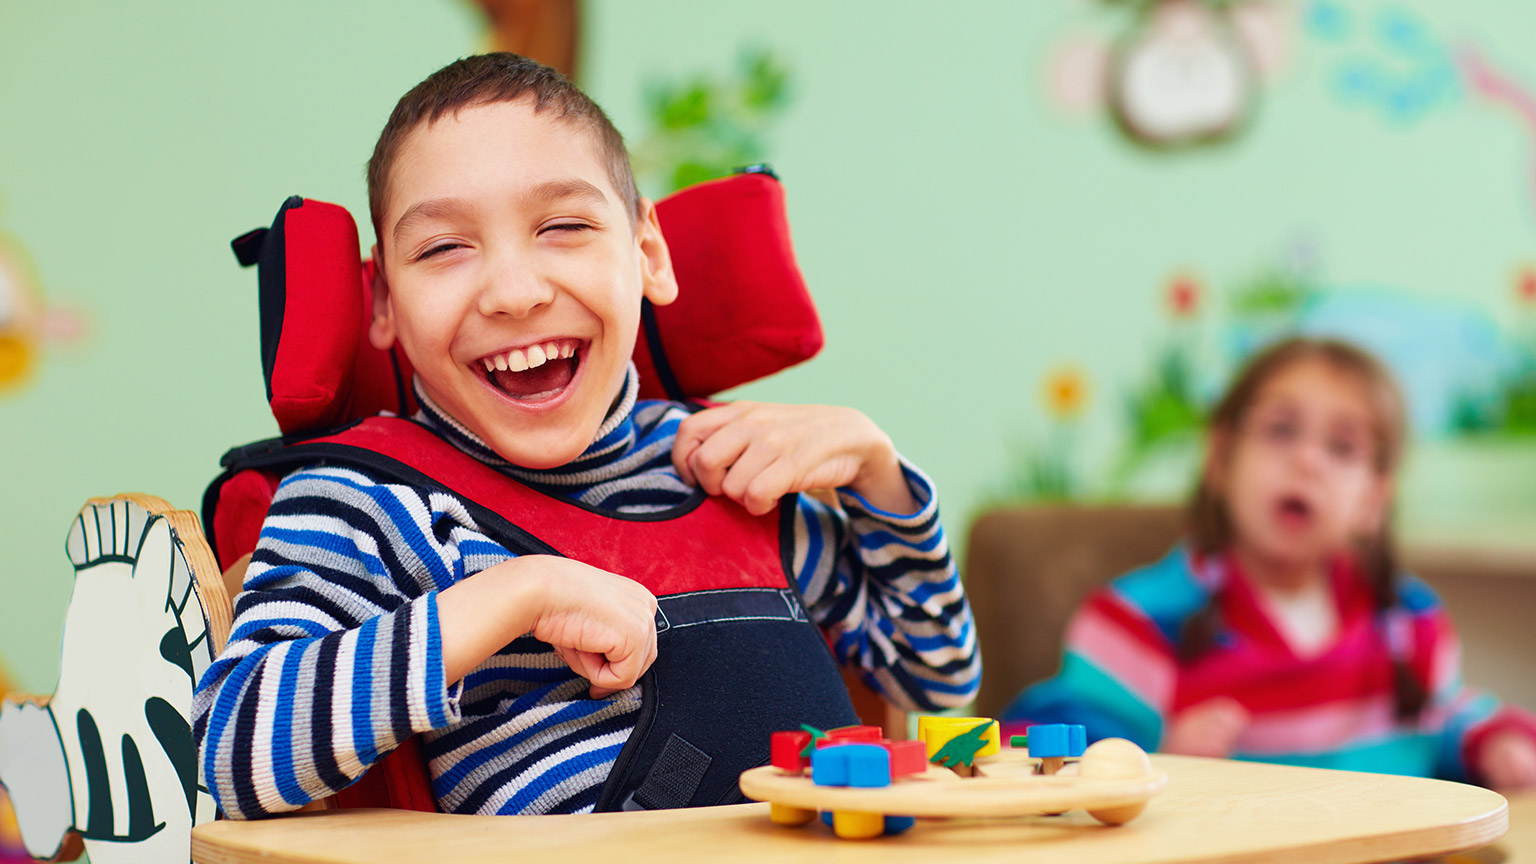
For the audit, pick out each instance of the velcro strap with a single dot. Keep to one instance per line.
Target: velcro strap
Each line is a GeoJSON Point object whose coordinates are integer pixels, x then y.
{"type": "Point", "coordinates": [675, 611]}
{"type": "Point", "coordinates": [673, 779]}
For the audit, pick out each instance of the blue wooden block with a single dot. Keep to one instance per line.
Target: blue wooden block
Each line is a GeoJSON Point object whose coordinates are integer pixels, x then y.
{"type": "Point", "coordinates": [1049, 739]}
{"type": "Point", "coordinates": [1078, 740]}
{"type": "Point", "coordinates": [826, 818]}
{"type": "Point", "coordinates": [869, 765]}
{"type": "Point", "coordinates": [861, 765]}
{"type": "Point", "coordinates": [898, 824]}
{"type": "Point", "coordinates": [829, 766]}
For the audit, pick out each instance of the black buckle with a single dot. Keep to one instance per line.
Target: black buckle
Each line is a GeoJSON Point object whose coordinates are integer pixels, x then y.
{"type": "Point", "coordinates": [759, 168]}
{"type": "Point", "coordinates": [248, 246]}
{"type": "Point", "coordinates": [245, 452]}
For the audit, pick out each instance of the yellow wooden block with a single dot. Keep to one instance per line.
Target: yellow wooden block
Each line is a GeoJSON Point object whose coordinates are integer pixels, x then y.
{"type": "Point", "coordinates": [782, 814]}
{"type": "Point", "coordinates": [857, 826]}
{"type": "Point", "coordinates": [938, 731]}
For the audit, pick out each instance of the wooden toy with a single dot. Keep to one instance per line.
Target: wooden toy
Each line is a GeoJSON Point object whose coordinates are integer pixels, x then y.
{"type": "Point", "coordinates": [907, 757]}
{"type": "Point", "coordinates": [1053, 744]}
{"type": "Point", "coordinates": [863, 766]}
{"type": "Point", "coordinates": [956, 742]}
{"type": "Point", "coordinates": [789, 751]}
{"type": "Point", "coordinates": [109, 757]}
{"type": "Point", "coordinates": [860, 796]}
{"type": "Point", "coordinates": [847, 734]}
{"type": "Point", "coordinates": [856, 765]}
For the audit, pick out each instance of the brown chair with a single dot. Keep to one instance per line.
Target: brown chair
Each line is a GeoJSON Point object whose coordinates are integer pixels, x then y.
{"type": "Point", "coordinates": [1028, 568]}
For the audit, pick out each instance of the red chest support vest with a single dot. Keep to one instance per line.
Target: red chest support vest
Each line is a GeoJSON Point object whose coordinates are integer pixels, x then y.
{"type": "Point", "coordinates": [737, 659]}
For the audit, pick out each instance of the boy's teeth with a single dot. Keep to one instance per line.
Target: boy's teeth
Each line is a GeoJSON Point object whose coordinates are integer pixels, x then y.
{"type": "Point", "coordinates": [532, 357]}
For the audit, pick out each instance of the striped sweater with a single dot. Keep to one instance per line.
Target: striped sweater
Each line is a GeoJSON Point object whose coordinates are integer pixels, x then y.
{"type": "Point", "coordinates": [1121, 676]}
{"type": "Point", "coordinates": [334, 655]}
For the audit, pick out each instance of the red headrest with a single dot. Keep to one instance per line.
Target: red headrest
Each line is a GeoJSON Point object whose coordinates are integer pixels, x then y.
{"type": "Point", "coordinates": [742, 311]}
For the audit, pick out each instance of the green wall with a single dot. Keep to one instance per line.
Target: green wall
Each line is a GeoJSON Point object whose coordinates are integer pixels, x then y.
{"type": "Point", "coordinates": [963, 237]}
{"type": "Point", "coordinates": [139, 139]}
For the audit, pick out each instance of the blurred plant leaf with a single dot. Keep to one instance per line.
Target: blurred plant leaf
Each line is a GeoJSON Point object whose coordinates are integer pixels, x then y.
{"type": "Point", "coordinates": [1275, 293]}
{"type": "Point", "coordinates": [711, 125]}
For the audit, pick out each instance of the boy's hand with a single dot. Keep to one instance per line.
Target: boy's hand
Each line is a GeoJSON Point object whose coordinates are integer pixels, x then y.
{"type": "Point", "coordinates": [1210, 728]}
{"type": "Point", "coordinates": [1507, 761]}
{"type": "Point", "coordinates": [602, 625]}
{"type": "Point", "coordinates": [755, 453]}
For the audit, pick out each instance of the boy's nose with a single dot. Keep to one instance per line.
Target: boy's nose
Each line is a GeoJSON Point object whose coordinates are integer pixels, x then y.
{"type": "Point", "coordinates": [510, 289]}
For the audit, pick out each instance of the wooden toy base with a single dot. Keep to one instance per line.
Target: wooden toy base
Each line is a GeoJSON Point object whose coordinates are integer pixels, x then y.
{"type": "Point", "coordinates": [1110, 782]}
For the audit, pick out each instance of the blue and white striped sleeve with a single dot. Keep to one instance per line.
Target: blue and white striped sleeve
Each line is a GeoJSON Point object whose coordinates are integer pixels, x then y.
{"type": "Point", "coordinates": [335, 653]}
{"type": "Point", "coordinates": [885, 589]}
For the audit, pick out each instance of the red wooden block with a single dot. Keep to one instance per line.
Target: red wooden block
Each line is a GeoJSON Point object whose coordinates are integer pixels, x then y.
{"type": "Point", "coordinates": [907, 757]}
{"type": "Point", "coordinates": [784, 749]}
{"type": "Point", "coordinates": [853, 734]}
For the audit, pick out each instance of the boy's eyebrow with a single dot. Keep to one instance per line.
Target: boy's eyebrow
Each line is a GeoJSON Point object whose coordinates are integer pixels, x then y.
{"type": "Point", "coordinates": [551, 191]}
{"type": "Point", "coordinates": [432, 208]}
{"type": "Point", "coordinates": [547, 192]}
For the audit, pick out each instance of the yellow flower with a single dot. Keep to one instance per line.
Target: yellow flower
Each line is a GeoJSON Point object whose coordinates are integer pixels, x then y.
{"type": "Point", "coordinates": [1065, 392]}
{"type": "Point", "coordinates": [15, 359]}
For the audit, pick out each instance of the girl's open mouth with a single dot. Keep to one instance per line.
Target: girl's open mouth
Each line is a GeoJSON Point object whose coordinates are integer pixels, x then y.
{"type": "Point", "coordinates": [1294, 511]}
{"type": "Point", "coordinates": [535, 373]}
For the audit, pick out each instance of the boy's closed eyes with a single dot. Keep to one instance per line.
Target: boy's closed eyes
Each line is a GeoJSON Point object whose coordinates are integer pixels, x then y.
{"type": "Point", "coordinates": [553, 208]}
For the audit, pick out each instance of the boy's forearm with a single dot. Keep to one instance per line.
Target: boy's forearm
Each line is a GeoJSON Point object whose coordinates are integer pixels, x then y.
{"type": "Point", "coordinates": [855, 593]}
{"type": "Point", "coordinates": [287, 718]}
{"type": "Point", "coordinates": [480, 614]}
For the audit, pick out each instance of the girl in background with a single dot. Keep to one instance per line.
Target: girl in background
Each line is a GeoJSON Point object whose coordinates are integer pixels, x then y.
{"type": "Point", "coordinates": [1282, 630]}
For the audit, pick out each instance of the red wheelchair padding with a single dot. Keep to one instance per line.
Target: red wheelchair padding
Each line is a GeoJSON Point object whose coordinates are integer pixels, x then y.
{"type": "Point", "coordinates": [399, 781]}
{"type": "Point", "coordinates": [316, 301]}
{"type": "Point", "coordinates": [240, 505]}
{"type": "Point", "coordinates": [742, 311]}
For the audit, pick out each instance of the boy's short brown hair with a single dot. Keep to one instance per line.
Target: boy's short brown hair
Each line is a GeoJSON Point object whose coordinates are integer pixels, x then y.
{"type": "Point", "coordinates": [496, 77]}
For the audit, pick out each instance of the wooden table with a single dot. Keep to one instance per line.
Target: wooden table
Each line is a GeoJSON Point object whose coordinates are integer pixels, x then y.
{"type": "Point", "coordinates": [1516, 847]}
{"type": "Point", "coordinates": [1211, 810]}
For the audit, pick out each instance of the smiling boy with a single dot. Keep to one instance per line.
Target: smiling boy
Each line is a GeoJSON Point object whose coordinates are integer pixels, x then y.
{"type": "Point", "coordinates": [513, 255]}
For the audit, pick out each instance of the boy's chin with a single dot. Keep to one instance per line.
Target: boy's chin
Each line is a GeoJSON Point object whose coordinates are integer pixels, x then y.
{"type": "Point", "coordinates": [539, 455]}
{"type": "Point", "coordinates": [540, 441]}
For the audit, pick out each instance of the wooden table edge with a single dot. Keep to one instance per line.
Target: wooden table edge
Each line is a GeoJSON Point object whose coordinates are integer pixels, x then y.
{"type": "Point", "coordinates": [1473, 833]}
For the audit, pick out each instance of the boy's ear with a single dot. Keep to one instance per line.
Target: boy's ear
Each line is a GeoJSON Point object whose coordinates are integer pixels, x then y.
{"type": "Point", "coordinates": [658, 281]}
{"type": "Point", "coordinates": [381, 330]}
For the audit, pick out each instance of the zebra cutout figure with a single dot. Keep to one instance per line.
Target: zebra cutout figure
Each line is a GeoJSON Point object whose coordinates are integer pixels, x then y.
{"type": "Point", "coordinates": [109, 756]}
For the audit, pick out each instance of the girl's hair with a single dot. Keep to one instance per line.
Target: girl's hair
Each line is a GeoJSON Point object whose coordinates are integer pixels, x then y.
{"type": "Point", "coordinates": [1209, 526]}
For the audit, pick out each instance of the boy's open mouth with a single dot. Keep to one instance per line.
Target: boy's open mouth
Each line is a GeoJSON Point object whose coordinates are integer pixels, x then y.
{"type": "Point", "coordinates": [534, 373]}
